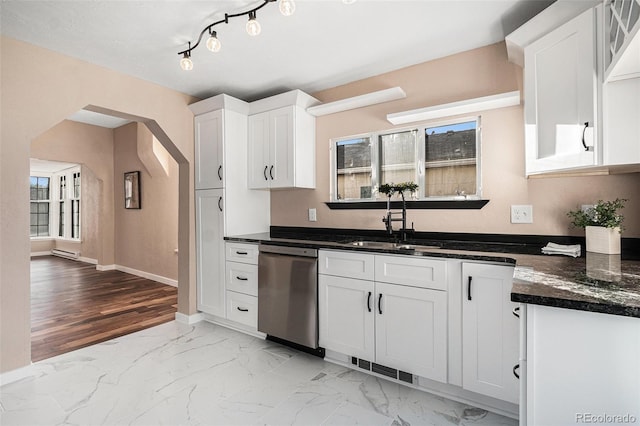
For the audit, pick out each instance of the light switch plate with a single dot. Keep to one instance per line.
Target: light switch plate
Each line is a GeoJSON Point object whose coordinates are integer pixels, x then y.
{"type": "Point", "coordinates": [522, 213]}
{"type": "Point", "coordinates": [312, 215]}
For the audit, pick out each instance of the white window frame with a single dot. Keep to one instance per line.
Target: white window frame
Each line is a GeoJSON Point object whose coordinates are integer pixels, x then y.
{"type": "Point", "coordinates": [51, 214]}
{"type": "Point", "coordinates": [374, 137]}
{"type": "Point", "coordinates": [54, 204]}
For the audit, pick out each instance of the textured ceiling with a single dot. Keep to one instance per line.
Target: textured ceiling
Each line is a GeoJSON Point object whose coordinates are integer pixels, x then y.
{"type": "Point", "coordinates": [324, 44]}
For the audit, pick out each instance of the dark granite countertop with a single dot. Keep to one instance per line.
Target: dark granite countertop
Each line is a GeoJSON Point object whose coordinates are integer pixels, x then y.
{"type": "Point", "coordinates": [595, 283]}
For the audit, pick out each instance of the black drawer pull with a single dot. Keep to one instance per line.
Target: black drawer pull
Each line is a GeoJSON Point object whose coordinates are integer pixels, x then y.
{"type": "Point", "coordinates": [265, 172]}
{"type": "Point", "coordinates": [242, 253]}
{"type": "Point", "coordinates": [516, 367]}
{"type": "Point", "coordinates": [220, 203]}
{"type": "Point", "coordinates": [241, 278]}
{"type": "Point", "coordinates": [369, 301]}
{"type": "Point", "coordinates": [469, 288]}
{"type": "Point", "coordinates": [380, 303]}
{"type": "Point", "coordinates": [243, 309]}
{"type": "Point", "coordinates": [516, 311]}
{"type": "Point", "coordinates": [219, 170]}
{"type": "Point", "coordinates": [271, 172]}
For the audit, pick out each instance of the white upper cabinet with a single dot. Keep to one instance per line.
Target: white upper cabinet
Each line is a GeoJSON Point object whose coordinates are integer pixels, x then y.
{"type": "Point", "coordinates": [209, 150]}
{"type": "Point", "coordinates": [281, 152]}
{"type": "Point", "coordinates": [561, 97]}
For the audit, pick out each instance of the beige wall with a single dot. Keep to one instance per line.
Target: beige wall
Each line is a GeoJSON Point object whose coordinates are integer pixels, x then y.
{"type": "Point", "coordinates": [39, 88]}
{"type": "Point", "coordinates": [145, 239]}
{"type": "Point", "coordinates": [467, 75]}
{"type": "Point", "coordinates": [92, 147]}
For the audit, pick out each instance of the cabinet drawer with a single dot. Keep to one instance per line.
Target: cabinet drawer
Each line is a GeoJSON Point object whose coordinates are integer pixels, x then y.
{"type": "Point", "coordinates": [242, 277]}
{"type": "Point", "coordinates": [242, 252]}
{"type": "Point", "coordinates": [346, 264]}
{"type": "Point", "coordinates": [242, 309]}
{"type": "Point", "coordinates": [411, 271]}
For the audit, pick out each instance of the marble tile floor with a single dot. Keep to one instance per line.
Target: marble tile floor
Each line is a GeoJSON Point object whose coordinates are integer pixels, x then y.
{"type": "Point", "coordinates": [204, 374]}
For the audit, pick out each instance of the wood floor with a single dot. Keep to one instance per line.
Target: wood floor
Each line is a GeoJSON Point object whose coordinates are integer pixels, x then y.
{"type": "Point", "coordinates": [73, 305]}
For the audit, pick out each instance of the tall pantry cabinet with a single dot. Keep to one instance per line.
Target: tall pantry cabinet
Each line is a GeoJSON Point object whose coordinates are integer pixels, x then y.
{"type": "Point", "coordinates": [224, 204]}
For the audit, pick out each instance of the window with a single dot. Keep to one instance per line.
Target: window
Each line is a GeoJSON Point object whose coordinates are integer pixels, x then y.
{"type": "Point", "coordinates": [75, 207]}
{"type": "Point", "coordinates": [441, 158]}
{"type": "Point", "coordinates": [55, 204]}
{"type": "Point", "coordinates": [39, 195]}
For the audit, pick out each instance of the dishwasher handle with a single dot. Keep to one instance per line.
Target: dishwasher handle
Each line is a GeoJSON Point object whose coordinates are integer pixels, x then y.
{"type": "Point", "coordinates": [288, 250]}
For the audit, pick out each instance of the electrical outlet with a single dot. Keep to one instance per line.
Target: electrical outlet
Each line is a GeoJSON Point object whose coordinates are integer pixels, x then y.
{"type": "Point", "coordinates": [312, 215]}
{"type": "Point", "coordinates": [522, 214]}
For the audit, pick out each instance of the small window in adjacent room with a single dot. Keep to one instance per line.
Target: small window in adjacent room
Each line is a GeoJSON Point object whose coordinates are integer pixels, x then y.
{"type": "Point", "coordinates": [39, 195]}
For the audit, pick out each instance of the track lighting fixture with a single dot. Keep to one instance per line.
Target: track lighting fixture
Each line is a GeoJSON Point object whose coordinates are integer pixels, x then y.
{"type": "Point", "coordinates": [287, 8]}
{"type": "Point", "coordinates": [186, 63]}
{"type": "Point", "coordinates": [213, 44]}
{"type": "Point", "coordinates": [253, 26]}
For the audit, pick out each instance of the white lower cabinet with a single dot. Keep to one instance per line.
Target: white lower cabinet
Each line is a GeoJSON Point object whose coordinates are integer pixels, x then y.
{"type": "Point", "coordinates": [242, 309]}
{"type": "Point", "coordinates": [411, 330]}
{"type": "Point", "coordinates": [394, 325]}
{"type": "Point", "coordinates": [346, 316]}
{"type": "Point", "coordinates": [490, 332]}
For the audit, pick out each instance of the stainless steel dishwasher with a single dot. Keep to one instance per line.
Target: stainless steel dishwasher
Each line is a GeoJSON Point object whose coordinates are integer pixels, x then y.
{"type": "Point", "coordinates": [288, 294]}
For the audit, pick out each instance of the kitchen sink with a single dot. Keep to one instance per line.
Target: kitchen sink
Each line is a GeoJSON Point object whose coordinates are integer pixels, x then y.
{"type": "Point", "coordinates": [390, 245]}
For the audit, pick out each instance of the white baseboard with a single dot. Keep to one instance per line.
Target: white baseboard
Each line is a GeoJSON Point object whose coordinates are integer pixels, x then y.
{"type": "Point", "coordinates": [15, 375]}
{"type": "Point", "coordinates": [105, 267]}
{"type": "Point", "coordinates": [189, 319]}
{"type": "Point", "coordinates": [40, 253]}
{"type": "Point", "coordinates": [88, 260]}
{"type": "Point", "coordinates": [147, 275]}
{"type": "Point", "coordinates": [234, 325]}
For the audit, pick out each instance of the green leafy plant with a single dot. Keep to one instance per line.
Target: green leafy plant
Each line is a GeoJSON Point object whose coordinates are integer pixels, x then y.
{"type": "Point", "coordinates": [603, 213]}
{"type": "Point", "coordinates": [390, 189]}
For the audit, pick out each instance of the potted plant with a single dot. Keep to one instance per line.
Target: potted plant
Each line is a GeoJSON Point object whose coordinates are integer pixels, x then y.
{"type": "Point", "coordinates": [602, 224]}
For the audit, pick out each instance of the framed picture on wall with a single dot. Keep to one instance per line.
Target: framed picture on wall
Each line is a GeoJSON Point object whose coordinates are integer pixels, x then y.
{"type": "Point", "coordinates": [132, 190]}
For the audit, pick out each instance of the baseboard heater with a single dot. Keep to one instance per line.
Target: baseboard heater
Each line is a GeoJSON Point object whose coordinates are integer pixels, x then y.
{"type": "Point", "coordinates": [383, 369]}
{"type": "Point", "coordinates": [66, 254]}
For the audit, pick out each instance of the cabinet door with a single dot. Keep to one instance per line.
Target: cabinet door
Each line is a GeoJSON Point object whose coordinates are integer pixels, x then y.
{"type": "Point", "coordinates": [346, 318]}
{"type": "Point", "coordinates": [411, 330]}
{"type": "Point", "coordinates": [209, 131]}
{"type": "Point", "coordinates": [282, 154]}
{"type": "Point", "coordinates": [490, 335]}
{"type": "Point", "coordinates": [210, 251]}
{"type": "Point", "coordinates": [258, 152]}
{"type": "Point", "coordinates": [561, 93]}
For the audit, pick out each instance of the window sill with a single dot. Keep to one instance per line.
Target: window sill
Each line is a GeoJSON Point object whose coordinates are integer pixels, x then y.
{"type": "Point", "coordinates": [411, 205]}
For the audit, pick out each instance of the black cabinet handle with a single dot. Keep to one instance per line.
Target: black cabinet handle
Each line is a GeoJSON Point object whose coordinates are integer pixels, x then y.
{"type": "Point", "coordinates": [516, 367]}
{"type": "Point", "coordinates": [516, 311]}
{"type": "Point", "coordinates": [242, 253]}
{"type": "Point", "coordinates": [469, 288]}
{"type": "Point", "coordinates": [584, 144]}
{"type": "Point", "coordinates": [264, 172]}
{"type": "Point", "coordinates": [220, 203]}
{"type": "Point", "coordinates": [369, 301]}
{"type": "Point", "coordinates": [271, 172]}
{"type": "Point", "coordinates": [219, 170]}
{"type": "Point", "coordinates": [242, 278]}
{"type": "Point", "coordinates": [243, 309]}
{"type": "Point", "coordinates": [380, 303]}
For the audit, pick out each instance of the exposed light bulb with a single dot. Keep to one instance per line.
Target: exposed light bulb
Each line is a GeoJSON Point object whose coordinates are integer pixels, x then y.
{"type": "Point", "coordinates": [186, 63]}
{"type": "Point", "coordinates": [287, 7]}
{"type": "Point", "coordinates": [213, 44]}
{"type": "Point", "coordinates": [253, 26]}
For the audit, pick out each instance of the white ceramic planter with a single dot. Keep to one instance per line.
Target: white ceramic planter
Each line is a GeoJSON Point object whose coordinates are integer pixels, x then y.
{"type": "Point", "coordinates": [603, 240]}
